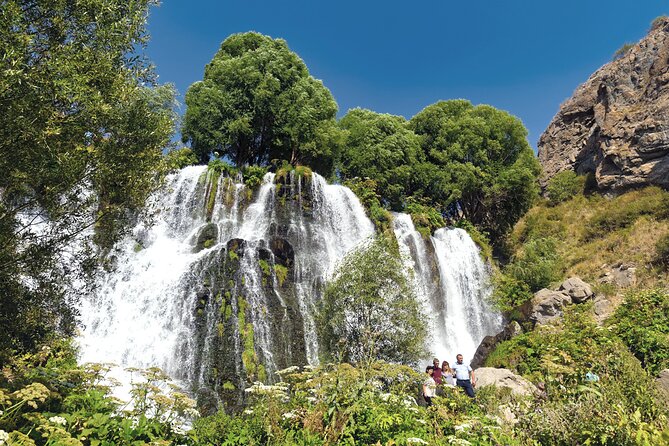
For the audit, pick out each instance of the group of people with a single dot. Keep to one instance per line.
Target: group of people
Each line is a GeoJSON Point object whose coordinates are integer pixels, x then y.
{"type": "Point", "coordinates": [460, 375]}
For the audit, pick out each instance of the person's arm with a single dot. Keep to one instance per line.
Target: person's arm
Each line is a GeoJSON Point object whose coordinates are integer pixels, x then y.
{"type": "Point", "coordinates": [473, 378]}
{"type": "Point", "coordinates": [425, 388]}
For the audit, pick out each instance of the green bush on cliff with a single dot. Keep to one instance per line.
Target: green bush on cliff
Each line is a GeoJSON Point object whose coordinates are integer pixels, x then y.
{"type": "Point", "coordinates": [642, 322]}
{"type": "Point", "coordinates": [564, 186]}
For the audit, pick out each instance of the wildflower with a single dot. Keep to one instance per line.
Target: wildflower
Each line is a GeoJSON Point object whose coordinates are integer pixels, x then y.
{"type": "Point", "coordinates": [414, 440]}
{"type": "Point", "coordinates": [312, 399]}
{"type": "Point", "coordinates": [421, 421]}
{"type": "Point", "coordinates": [461, 427]}
{"type": "Point", "coordinates": [58, 420]}
{"type": "Point", "coordinates": [248, 412]}
{"type": "Point", "coordinates": [289, 415]}
{"type": "Point", "coordinates": [4, 436]}
{"type": "Point", "coordinates": [288, 370]}
{"type": "Point", "coordinates": [452, 439]}
{"type": "Point", "coordinates": [385, 396]}
{"type": "Point", "coordinates": [190, 412]}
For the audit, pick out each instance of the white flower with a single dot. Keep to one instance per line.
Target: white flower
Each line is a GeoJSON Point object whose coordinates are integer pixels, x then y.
{"type": "Point", "coordinates": [178, 430]}
{"type": "Point", "coordinates": [459, 441]}
{"type": "Point", "coordinates": [190, 412]}
{"type": "Point", "coordinates": [421, 421]}
{"type": "Point", "coordinates": [414, 440]}
{"type": "Point", "coordinates": [462, 427]}
{"type": "Point", "coordinates": [288, 370]}
{"type": "Point", "coordinates": [58, 420]}
{"type": "Point", "coordinates": [385, 396]}
{"type": "Point", "coordinates": [310, 367]}
{"type": "Point", "coordinates": [289, 415]}
{"type": "Point", "coordinates": [4, 436]}
{"type": "Point", "coordinates": [248, 412]}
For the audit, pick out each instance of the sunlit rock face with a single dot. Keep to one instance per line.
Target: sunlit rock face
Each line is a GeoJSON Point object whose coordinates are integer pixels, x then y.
{"type": "Point", "coordinates": [222, 289]}
{"type": "Point", "coordinates": [616, 125]}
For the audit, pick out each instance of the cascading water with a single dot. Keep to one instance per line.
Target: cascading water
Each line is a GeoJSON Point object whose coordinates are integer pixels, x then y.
{"type": "Point", "coordinates": [222, 288]}
{"type": "Point", "coordinates": [451, 282]}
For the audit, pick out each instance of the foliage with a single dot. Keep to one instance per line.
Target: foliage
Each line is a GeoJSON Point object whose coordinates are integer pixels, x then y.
{"type": "Point", "coordinates": [564, 186]}
{"type": "Point", "coordinates": [179, 158]}
{"type": "Point", "coordinates": [369, 310]}
{"type": "Point", "coordinates": [426, 219]}
{"type": "Point", "coordinates": [380, 147]}
{"type": "Point", "coordinates": [81, 133]}
{"type": "Point", "coordinates": [341, 404]}
{"type": "Point", "coordinates": [253, 176]}
{"type": "Point", "coordinates": [533, 267]}
{"type": "Point", "coordinates": [620, 52]}
{"type": "Point", "coordinates": [47, 399]}
{"type": "Point", "coordinates": [246, 109]}
{"type": "Point", "coordinates": [221, 167]}
{"type": "Point", "coordinates": [662, 250]}
{"type": "Point", "coordinates": [620, 408]}
{"type": "Point", "coordinates": [642, 322]}
{"type": "Point", "coordinates": [479, 164]}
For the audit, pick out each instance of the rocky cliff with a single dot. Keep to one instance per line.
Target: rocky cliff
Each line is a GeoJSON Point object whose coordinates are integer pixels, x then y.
{"type": "Point", "coordinates": [616, 125]}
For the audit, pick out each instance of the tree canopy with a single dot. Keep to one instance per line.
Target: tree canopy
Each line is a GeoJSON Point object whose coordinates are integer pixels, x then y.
{"type": "Point", "coordinates": [81, 133]}
{"type": "Point", "coordinates": [492, 167]}
{"type": "Point", "coordinates": [258, 102]}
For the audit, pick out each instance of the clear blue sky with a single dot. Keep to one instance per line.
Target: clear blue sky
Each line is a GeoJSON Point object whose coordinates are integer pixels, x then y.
{"type": "Point", "coordinates": [523, 56]}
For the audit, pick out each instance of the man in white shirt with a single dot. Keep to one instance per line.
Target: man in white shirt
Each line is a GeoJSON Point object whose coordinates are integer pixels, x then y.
{"type": "Point", "coordinates": [464, 376]}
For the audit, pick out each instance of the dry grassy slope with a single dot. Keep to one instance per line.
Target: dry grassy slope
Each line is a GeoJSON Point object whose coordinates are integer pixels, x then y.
{"type": "Point", "coordinates": [595, 234]}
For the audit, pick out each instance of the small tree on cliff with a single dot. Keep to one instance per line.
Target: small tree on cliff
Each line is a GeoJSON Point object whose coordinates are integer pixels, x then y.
{"type": "Point", "coordinates": [258, 102]}
{"type": "Point", "coordinates": [369, 310]}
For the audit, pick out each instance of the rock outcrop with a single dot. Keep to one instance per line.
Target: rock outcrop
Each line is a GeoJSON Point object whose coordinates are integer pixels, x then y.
{"type": "Point", "coordinates": [663, 383]}
{"type": "Point", "coordinates": [547, 305]}
{"type": "Point", "coordinates": [490, 376]}
{"type": "Point", "coordinates": [616, 125]}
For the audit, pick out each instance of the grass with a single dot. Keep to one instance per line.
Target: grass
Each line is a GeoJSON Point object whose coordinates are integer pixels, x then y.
{"type": "Point", "coordinates": [594, 233]}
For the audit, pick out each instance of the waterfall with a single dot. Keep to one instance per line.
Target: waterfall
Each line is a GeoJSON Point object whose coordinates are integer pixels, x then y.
{"type": "Point", "coordinates": [451, 283]}
{"type": "Point", "coordinates": [221, 289]}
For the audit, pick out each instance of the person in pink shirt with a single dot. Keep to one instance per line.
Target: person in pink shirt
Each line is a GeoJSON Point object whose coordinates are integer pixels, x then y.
{"type": "Point", "coordinates": [437, 375]}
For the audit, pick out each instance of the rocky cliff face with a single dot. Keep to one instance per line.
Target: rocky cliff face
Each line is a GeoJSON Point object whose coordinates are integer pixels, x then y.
{"type": "Point", "coordinates": [616, 125]}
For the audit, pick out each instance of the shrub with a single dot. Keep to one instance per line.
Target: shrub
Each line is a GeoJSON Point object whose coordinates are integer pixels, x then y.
{"type": "Point", "coordinates": [620, 52]}
{"type": "Point", "coordinates": [180, 158]}
{"type": "Point", "coordinates": [425, 218]}
{"type": "Point", "coordinates": [253, 176]}
{"type": "Point", "coordinates": [642, 322]}
{"type": "Point", "coordinates": [537, 264]}
{"type": "Point", "coordinates": [564, 186]}
{"type": "Point", "coordinates": [509, 292]}
{"type": "Point", "coordinates": [662, 250]}
{"type": "Point", "coordinates": [221, 167]}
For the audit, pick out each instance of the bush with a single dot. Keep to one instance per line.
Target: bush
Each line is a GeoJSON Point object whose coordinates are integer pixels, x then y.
{"type": "Point", "coordinates": [642, 322]}
{"type": "Point", "coordinates": [425, 218]}
{"type": "Point", "coordinates": [537, 264]}
{"type": "Point", "coordinates": [180, 158]}
{"type": "Point", "coordinates": [509, 292]}
{"type": "Point", "coordinates": [253, 176]}
{"type": "Point", "coordinates": [620, 52]}
{"type": "Point", "coordinates": [662, 250]}
{"type": "Point", "coordinates": [564, 186]}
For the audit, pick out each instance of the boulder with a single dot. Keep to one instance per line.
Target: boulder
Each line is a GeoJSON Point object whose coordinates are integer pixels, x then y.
{"type": "Point", "coordinates": [490, 376]}
{"type": "Point", "coordinates": [622, 276]}
{"type": "Point", "coordinates": [207, 237]}
{"type": "Point", "coordinates": [614, 127]}
{"type": "Point", "coordinates": [545, 306]}
{"type": "Point", "coordinates": [577, 289]}
{"type": "Point", "coordinates": [489, 343]}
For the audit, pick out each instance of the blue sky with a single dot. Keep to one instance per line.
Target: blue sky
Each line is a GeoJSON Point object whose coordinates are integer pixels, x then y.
{"type": "Point", "coordinates": [397, 57]}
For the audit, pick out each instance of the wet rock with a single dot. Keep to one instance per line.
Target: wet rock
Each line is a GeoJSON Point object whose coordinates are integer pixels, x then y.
{"type": "Point", "coordinates": [490, 376]}
{"type": "Point", "coordinates": [614, 127]}
{"type": "Point", "coordinates": [577, 289]}
{"type": "Point", "coordinates": [283, 251]}
{"type": "Point", "coordinates": [207, 237]}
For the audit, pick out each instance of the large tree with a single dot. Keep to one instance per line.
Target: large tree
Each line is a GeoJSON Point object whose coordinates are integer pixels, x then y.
{"type": "Point", "coordinates": [81, 132]}
{"type": "Point", "coordinates": [369, 310]}
{"type": "Point", "coordinates": [258, 102]}
{"type": "Point", "coordinates": [380, 147]}
{"type": "Point", "coordinates": [485, 152]}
